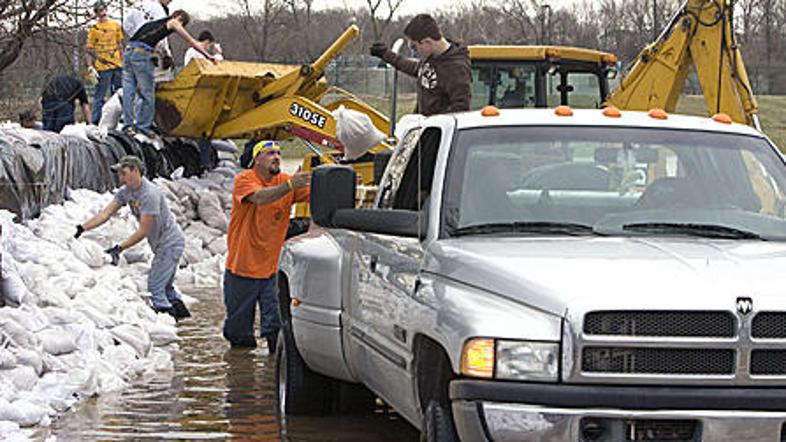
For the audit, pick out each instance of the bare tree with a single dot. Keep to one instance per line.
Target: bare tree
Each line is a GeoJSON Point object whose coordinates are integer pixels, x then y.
{"type": "Point", "coordinates": [387, 10]}
{"type": "Point", "coordinates": [21, 20]}
{"type": "Point", "coordinates": [258, 24]}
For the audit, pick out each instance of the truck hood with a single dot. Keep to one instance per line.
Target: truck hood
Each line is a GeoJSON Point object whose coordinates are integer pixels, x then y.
{"type": "Point", "coordinates": [556, 274]}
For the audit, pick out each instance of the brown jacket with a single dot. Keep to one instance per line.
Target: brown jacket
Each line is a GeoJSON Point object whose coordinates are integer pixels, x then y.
{"type": "Point", "coordinates": [444, 81]}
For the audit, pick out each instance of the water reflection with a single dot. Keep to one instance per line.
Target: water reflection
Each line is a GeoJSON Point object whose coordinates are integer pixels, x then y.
{"type": "Point", "coordinates": [214, 393]}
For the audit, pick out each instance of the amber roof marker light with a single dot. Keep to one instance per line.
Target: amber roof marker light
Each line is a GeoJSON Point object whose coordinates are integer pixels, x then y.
{"type": "Point", "coordinates": [612, 112]}
{"type": "Point", "coordinates": [722, 118]}
{"type": "Point", "coordinates": [489, 111]}
{"type": "Point", "coordinates": [658, 114]}
{"type": "Point", "coordinates": [563, 111]}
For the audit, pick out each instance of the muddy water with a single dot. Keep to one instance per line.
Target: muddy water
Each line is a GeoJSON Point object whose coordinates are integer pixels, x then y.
{"type": "Point", "coordinates": [214, 393]}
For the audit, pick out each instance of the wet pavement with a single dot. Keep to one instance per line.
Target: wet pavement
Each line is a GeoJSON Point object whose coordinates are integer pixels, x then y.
{"type": "Point", "coordinates": [214, 393]}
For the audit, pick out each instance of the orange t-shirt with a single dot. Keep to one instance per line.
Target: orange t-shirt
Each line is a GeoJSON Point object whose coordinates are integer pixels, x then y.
{"type": "Point", "coordinates": [257, 232]}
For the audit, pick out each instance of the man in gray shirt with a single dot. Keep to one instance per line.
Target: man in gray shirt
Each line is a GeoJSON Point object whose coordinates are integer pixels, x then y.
{"type": "Point", "coordinates": [156, 223]}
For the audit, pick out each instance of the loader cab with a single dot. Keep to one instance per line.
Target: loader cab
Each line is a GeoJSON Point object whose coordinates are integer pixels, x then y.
{"type": "Point", "coordinates": [513, 77]}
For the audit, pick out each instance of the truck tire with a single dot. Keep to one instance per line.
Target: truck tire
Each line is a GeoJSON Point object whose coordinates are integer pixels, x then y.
{"type": "Point", "coordinates": [300, 391]}
{"type": "Point", "coordinates": [437, 424]}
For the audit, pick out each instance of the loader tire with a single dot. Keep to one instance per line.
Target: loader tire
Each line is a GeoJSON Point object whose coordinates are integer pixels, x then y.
{"type": "Point", "coordinates": [300, 391]}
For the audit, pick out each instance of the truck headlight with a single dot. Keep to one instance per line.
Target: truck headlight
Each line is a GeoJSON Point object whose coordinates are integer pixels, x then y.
{"type": "Point", "coordinates": [510, 360]}
{"type": "Point", "coordinates": [527, 361]}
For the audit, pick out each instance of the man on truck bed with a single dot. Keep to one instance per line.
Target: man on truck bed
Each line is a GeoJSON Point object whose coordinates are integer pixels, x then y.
{"type": "Point", "coordinates": [262, 200]}
{"type": "Point", "coordinates": [443, 72]}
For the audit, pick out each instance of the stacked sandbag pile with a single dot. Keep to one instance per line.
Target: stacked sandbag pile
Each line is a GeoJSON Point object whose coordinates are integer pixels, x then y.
{"type": "Point", "coordinates": [71, 325]}
{"type": "Point", "coordinates": [202, 206]}
{"type": "Point", "coordinates": [37, 167]}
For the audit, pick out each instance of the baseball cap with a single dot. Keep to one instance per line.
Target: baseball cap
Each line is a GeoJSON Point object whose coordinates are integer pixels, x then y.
{"type": "Point", "coordinates": [261, 147]}
{"type": "Point", "coordinates": [129, 161]}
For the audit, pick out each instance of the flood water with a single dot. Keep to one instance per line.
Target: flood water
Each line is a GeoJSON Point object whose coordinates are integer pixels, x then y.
{"type": "Point", "coordinates": [214, 393]}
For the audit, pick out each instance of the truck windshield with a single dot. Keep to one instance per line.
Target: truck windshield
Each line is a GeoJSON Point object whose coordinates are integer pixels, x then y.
{"type": "Point", "coordinates": [614, 181]}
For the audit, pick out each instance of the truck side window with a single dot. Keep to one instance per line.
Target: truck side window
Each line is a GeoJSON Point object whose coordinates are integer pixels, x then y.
{"type": "Point", "coordinates": [396, 167]}
{"type": "Point", "coordinates": [415, 186]}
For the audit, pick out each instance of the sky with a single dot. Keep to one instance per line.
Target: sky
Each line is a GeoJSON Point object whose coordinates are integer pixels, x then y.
{"type": "Point", "coordinates": [207, 8]}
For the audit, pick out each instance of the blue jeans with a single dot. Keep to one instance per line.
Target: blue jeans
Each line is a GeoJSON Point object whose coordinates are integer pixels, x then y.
{"type": "Point", "coordinates": [108, 79]}
{"type": "Point", "coordinates": [138, 80]}
{"type": "Point", "coordinates": [241, 296]}
{"type": "Point", "coordinates": [160, 280]}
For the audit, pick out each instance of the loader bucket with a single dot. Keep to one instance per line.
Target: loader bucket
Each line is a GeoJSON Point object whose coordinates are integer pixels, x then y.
{"type": "Point", "coordinates": [204, 94]}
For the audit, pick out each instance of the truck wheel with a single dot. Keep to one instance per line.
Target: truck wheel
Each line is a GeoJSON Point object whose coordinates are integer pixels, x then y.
{"type": "Point", "coordinates": [300, 390]}
{"type": "Point", "coordinates": [437, 424]}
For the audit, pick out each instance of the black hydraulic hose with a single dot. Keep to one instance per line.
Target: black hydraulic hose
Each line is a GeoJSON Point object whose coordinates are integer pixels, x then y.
{"type": "Point", "coordinates": [720, 59]}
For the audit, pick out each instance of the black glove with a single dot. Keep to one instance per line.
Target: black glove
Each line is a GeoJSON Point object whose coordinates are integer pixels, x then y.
{"type": "Point", "coordinates": [167, 62]}
{"type": "Point", "coordinates": [154, 60]}
{"type": "Point", "coordinates": [114, 252]}
{"type": "Point", "coordinates": [79, 231]}
{"type": "Point", "coordinates": [378, 49]}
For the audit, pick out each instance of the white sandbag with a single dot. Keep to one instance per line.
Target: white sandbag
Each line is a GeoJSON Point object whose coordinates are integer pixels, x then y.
{"type": "Point", "coordinates": [14, 289]}
{"type": "Point", "coordinates": [111, 112]}
{"type": "Point", "coordinates": [160, 361]}
{"type": "Point", "coordinates": [24, 413]}
{"type": "Point", "coordinates": [211, 213]}
{"type": "Point", "coordinates": [134, 337]}
{"type": "Point", "coordinates": [56, 342]}
{"type": "Point", "coordinates": [8, 427]}
{"type": "Point", "coordinates": [100, 320]}
{"type": "Point", "coordinates": [30, 358]}
{"type": "Point", "coordinates": [138, 254]}
{"type": "Point", "coordinates": [16, 334]}
{"type": "Point", "coordinates": [224, 145]}
{"type": "Point", "coordinates": [356, 132]}
{"type": "Point", "coordinates": [162, 334]}
{"type": "Point", "coordinates": [21, 377]}
{"type": "Point", "coordinates": [78, 130]}
{"type": "Point", "coordinates": [218, 246]}
{"type": "Point", "coordinates": [193, 252]}
{"type": "Point", "coordinates": [7, 359]}
{"type": "Point", "coordinates": [54, 390]}
{"type": "Point", "coordinates": [204, 233]}
{"type": "Point", "coordinates": [87, 251]}
{"type": "Point", "coordinates": [226, 172]}
{"type": "Point", "coordinates": [60, 316]}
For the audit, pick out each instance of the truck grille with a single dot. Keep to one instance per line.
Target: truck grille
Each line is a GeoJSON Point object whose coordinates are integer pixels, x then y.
{"type": "Point", "coordinates": [769, 325]}
{"type": "Point", "coordinates": [680, 347]}
{"type": "Point", "coordinates": [658, 361]}
{"type": "Point", "coordinates": [717, 324]}
{"type": "Point", "coordinates": [768, 362]}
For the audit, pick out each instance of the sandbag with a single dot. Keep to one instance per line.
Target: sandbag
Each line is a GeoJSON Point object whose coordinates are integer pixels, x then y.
{"type": "Point", "coordinates": [356, 132]}
{"type": "Point", "coordinates": [24, 413]}
{"type": "Point", "coordinates": [211, 213]}
{"type": "Point", "coordinates": [87, 251]}
{"type": "Point", "coordinates": [134, 337]}
{"type": "Point", "coordinates": [55, 342]}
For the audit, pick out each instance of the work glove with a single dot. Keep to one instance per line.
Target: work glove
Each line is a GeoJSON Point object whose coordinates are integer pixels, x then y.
{"type": "Point", "coordinates": [114, 252]}
{"type": "Point", "coordinates": [378, 49]}
{"type": "Point", "coordinates": [167, 62]}
{"type": "Point", "coordinates": [93, 73]}
{"type": "Point", "coordinates": [79, 231]}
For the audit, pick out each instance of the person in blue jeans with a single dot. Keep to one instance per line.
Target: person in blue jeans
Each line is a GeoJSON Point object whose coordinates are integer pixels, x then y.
{"type": "Point", "coordinates": [104, 56]}
{"type": "Point", "coordinates": [156, 223]}
{"type": "Point", "coordinates": [138, 72]}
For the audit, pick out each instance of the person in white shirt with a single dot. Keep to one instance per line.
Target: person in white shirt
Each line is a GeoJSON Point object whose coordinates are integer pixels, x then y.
{"type": "Point", "coordinates": [208, 43]}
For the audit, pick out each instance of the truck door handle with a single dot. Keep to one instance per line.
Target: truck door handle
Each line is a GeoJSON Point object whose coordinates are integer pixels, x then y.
{"type": "Point", "coordinates": [372, 264]}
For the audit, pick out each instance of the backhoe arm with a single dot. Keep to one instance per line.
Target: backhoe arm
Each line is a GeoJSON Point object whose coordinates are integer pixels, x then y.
{"type": "Point", "coordinates": [700, 35]}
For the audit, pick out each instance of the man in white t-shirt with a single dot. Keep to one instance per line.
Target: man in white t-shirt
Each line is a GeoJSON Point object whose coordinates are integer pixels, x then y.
{"type": "Point", "coordinates": [208, 43]}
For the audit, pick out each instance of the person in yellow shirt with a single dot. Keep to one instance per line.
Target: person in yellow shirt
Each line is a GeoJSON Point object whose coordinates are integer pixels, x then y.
{"type": "Point", "coordinates": [104, 53]}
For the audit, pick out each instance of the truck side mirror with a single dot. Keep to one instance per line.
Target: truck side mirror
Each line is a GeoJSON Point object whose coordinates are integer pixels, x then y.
{"type": "Point", "coordinates": [332, 188]}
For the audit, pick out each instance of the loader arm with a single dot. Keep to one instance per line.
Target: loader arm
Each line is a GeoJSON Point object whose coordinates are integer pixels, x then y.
{"type": "Point", "coordinates": [256, 100]}
{"type": "Point", "coordinates": [701, 35]}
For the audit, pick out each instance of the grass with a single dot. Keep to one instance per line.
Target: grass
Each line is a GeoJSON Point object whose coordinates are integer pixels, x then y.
{"type": "Point", "coordinates": [771, 114]}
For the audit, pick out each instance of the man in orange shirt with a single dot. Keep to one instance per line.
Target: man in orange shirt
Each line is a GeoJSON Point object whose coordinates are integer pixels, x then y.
{"type": "Point", "coordinates": [104, 49]}
{"type": "Point", "coordinates": [262, 200]}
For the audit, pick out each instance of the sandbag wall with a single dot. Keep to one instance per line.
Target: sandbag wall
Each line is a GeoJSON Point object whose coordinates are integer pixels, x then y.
{"type": "Point", "coordinates": [37, 167]}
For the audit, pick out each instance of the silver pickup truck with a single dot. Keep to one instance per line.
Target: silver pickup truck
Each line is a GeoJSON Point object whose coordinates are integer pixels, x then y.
{"type": "Point", "coordinates": [542, 275]}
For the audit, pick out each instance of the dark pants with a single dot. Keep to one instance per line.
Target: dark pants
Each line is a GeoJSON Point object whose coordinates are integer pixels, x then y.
{"type": "Point", "coordinates": [56, 114]}
{"type": "Point", "coordinates": [241, 296]}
